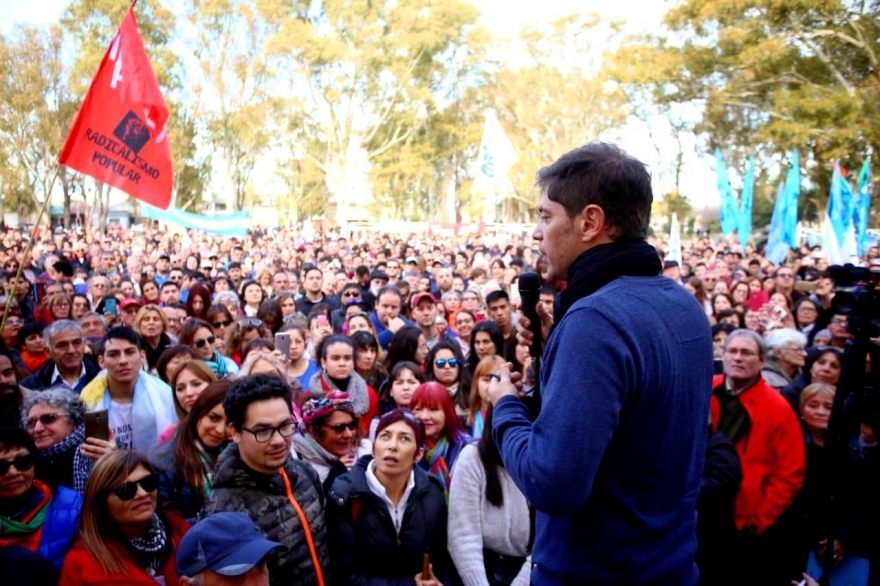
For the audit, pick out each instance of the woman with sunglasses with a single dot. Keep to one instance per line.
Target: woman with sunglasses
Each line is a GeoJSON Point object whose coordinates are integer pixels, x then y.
{"type": "Point", "coordinates": [242, 332]}
{"type": "Point", "coordinates": [125, 535]}
{"type": "Point", "coordinates": [185, 464]}
{"type": "Point", "coordinates": [328, 435]}
{"type": "Point", "coordinates": [385, 514]}
{"type": "Point", "coordinates": [445, 364]}
{"type": "Point", "coordinates": [32, 517]}
{"type": "Point", "coordinates": [220, 319]}
{"type": "Point", "coordinates": [198, 335]}
{"type": "Point", "coordinates": [55, 419]}
{"type": "Point", "coordinates": [152, 325]}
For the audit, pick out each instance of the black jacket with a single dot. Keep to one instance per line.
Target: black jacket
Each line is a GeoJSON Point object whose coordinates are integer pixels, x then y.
{"type": "Point", "coordinates": [364, 547]}
{"type": "Point", "coordinates": [42, 379]}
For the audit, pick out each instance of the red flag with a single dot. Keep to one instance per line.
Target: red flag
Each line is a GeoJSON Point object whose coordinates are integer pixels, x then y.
{"type": "Point", "coordinates": [119, 135]}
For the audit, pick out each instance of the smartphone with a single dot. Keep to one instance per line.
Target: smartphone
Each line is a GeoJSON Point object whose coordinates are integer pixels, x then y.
{"type": "Point", "coordinates": [96, 424]}
{"type": "Point", "coordinates": [111, 306]}
{"type": "Point", "coordinates": [39, 291]}
{"type": "Point", "coordinates": [282, 343]}
{"type": "Point", "coordinates": [805, 286]}
{"type": "Point", "coordinates": [321, 320]}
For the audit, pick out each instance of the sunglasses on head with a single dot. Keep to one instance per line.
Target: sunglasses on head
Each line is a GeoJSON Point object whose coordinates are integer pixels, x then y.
{"type": "Point", "coordinates": [340, 428]}
{"type": "Point", "coordinates": [442, 362]}
{"type": "Point", "coordinates": [351, 294]}
{"type": "Point", "coordinates": [22, 463]}
{"type": "Point", "coordinates": [127, 490]}
{"type": "Point", "coordinates": [45, 419]}
{"type": "Point", "coordinates": [201, 343]}
{"type": "Point", "coordinates": [222, 324]}
{"type": "Point", "coordinates": [251, 322]}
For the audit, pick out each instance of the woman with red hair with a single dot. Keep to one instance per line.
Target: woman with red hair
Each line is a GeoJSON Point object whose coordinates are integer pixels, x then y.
{"type": "Point", "coordinates": [444, 435]}
{"type": "Point", "coordinates": [198, 301]}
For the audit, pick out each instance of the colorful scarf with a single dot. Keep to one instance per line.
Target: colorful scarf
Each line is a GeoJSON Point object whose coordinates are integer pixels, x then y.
{"type": "Point", "coordinates": [21, 532]}
{"type": "Point", "coordinates": [436, 458]}
{"type": "Point", "coordinates": [81, 465]}
{"type": "Point", "coordinates": [208, 462]}
{"type": "Point", "coordinates": [218, 365]}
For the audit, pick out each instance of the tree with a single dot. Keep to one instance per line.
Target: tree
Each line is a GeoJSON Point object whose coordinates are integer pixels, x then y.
{"type": "Point", "coordinates": [766, 77]}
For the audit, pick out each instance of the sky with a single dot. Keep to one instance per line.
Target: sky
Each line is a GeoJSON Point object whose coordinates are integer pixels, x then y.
{"type": "Point", "coordinates": [504, 18]}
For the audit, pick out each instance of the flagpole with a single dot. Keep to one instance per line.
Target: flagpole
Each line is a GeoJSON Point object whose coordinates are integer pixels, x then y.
{"type": "Point", "coordinates": [27, 252]}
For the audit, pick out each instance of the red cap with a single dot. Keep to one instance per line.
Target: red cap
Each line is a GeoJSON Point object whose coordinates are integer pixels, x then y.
{"type": "Point", "coordinates": [131, 302]}
{"type": "Point", "coordinates": [419, 297]}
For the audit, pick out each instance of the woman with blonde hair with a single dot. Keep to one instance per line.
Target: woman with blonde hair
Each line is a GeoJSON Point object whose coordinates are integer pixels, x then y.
{"type": "Point", "coordinates": [152, 325]}
{"type": "Point", "coordinates": [188, 380]}
{"type": "Point", "coordinates": [125, 536]}
{"type": "Point", "coordinates": [476, 416]}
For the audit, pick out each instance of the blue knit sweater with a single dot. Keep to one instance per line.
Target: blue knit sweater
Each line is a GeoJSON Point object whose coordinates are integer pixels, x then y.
{"type": "Point", "coordinates": [613, 462]}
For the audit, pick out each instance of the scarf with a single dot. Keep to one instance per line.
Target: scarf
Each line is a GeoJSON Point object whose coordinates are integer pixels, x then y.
{"type": "Point", "coordinates": [310, 450]}
{"type": "Point", "coordinates": [26, 530]}
{"type": "Point", "coordinates": [436, 458]}
{"type": "Point", "coordinates": [218, 365]}
{"type": "Point", "coordinates": [600, 265]}
{"type": "Point", "coordinates": [33, 362]}
{"type": "Point", "coordinates": [150, 548]}
{"type": "Point", "coordinates": [356, 389]}
{"type": "Point", "coordinates": [208, 462]}
{"type": "Point", "coordinates": [81, 465]}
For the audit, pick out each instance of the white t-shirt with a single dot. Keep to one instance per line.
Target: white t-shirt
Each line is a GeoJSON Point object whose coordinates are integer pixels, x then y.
{"type": "Point", "coordinates": [120, 422]}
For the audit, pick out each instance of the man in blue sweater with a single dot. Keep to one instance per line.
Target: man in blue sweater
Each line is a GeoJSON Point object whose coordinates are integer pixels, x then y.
{"type": "Point", "coordinates": [613, 461]}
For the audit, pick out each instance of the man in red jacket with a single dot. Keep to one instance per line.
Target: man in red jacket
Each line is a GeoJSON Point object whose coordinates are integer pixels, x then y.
{"type": "Point", "coordinates": [770, 443]}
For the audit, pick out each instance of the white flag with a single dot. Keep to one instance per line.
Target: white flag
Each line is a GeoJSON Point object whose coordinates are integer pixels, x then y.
{"type": "Point", "coordinates": [495, 159]}
{"type": "Point", "coordinates": [673, 251]}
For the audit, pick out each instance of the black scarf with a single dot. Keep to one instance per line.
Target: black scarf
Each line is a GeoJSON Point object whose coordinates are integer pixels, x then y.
{"type": "Point", "coordinates": [600, 265]}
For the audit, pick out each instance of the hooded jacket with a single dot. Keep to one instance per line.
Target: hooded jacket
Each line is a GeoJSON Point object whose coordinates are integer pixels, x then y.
{"type": "Point", "coordinates": [364, 546]}
{"type": "Point", "coordinates": [237, 487]}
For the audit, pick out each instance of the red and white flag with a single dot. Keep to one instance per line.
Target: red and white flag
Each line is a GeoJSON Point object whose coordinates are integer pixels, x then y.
{"type": "Point", "coordinates": [119, 135]}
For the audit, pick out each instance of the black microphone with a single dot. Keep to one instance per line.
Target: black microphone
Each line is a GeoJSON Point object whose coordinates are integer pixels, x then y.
{"type": "Point", "coordinates": [530, 294]}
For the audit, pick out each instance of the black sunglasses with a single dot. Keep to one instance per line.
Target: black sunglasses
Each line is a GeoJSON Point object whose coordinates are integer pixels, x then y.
{"type": "Point", "coordinates": [251, 322]}
{"type": "Point", "coordinates": [22, 463]}
{"type": "Point", "coordinates": [222, 324]}
{"type": "Point", "coordinates": [442, 362]}
{"type": "Point", "coordinates": [127, 490]}
{"type": "Point", "coordinates": [341, 427]}
{"type": "Point", "coordinates": [201, 343]}
{"type": "Point", "coordinates": [351, 294]}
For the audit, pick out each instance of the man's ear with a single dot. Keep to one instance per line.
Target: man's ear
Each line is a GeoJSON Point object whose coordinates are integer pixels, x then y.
{"type": "Point", "coordinates": [101, 360]}
{"type": "Point", "coordinates": [235, 435]}
{"type": "Point", "coordinates": [591, 223]}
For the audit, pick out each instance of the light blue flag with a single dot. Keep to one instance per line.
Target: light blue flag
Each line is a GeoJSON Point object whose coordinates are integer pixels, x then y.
{"type": "Point", "coordinates": [783, 225]}
{"type": "Point", "coordinates": [745, 211]}
{"type": "Point", "coordinates": [838, 233]}
{"type": "Point", "coordinates": [863, 207]}
{"type": "Point", "coordinates": [234, 224]}
{"type": "Point", "coordinates": [729, 210]}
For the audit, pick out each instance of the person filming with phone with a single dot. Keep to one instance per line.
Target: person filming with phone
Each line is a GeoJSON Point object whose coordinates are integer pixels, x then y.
{"type": "Point", "coordinates": [612, 462]}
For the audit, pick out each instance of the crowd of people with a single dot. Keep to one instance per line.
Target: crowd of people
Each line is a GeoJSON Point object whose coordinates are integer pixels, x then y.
{"type": "Point", "coordinates": [317, 412]}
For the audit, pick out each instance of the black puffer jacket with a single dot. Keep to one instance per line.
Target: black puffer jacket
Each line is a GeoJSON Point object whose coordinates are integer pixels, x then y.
{"type": "Point", "coordinates": [264, 498]}
{"type": "Point", "coordinates": [364, 546]}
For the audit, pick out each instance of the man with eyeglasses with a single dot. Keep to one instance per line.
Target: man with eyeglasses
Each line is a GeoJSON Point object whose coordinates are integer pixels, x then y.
{"type": "Point", "coordinates": [784, 282]}
{"type": "Point", "coordinates": [99, 287]}
{"type": "Point", "coordinates": [765, 431]}
{"type": "Point", "coordinates": [258, 476]}
{"type": "Point", "coordinates": [68, 367]}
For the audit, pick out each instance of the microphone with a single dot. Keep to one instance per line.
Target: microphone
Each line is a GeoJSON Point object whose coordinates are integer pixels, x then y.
{"type": "Point", "coordinates": [529, 293]}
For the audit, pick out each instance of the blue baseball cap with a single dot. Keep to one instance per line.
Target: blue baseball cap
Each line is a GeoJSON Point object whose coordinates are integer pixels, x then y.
{"type": "Point", "coordinates": [226, 543]}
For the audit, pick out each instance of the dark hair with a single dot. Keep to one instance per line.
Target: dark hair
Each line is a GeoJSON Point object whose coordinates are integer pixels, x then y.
{"type": "Point", "coordinates": [548, 289]}
{"type": "Point", "coordinates": [256, 344]}
{"type": "Point", "coordinates": [386, 402]}
{"type": "Point", "coordinates": [602, 174]}
{"type": "Point", "coordinates": [247, 284]}
{"type": "Point", "coordinates": [462, 398]}
{"type": "Point", "coordinates": [187, 456]}
{"type": "Point", "coordinates": [270, 312]}
{"type": "Point", "coordinates": [198, 290]}
{"type": "Point", "coordinates": [168, 285]}
{"type": "Point", "coordinates": [389, 289]}
{"type": "Point", "coordinates": [740, 323]}
{"type": "Point", "coordinates": [218, 309]}
{"type": "Point", "coordinates": [363, 340]}
{"type": "Point", "coordinates": [249, 389]}
{"type": "Point", "coordinates": [723, 327]}
{"type": "Point", "coordinates": [494, 296]}
{"type": "Point", "coordinates": [16, 437]}
{"type": "Point", "coordinates": [490, 457]}
{"type": "Point", "coordinates": [170, 354]}
{"type": "Point", "coordinates": [403, 346]}
{"type": "Point", "coordinates": [120, 333]}
{"type": "Point", "coordinates": [494, 331]}
{"type": "Point", "coordinates": [189, 329]}
{"type": "Point", "coordinates": [321, 350]}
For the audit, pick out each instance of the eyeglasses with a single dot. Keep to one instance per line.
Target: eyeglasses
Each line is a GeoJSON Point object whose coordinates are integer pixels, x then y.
{"type": "Point", "coordinates": [442, 362]}
{"type": "Point", "coordinates": [839, 320]}
{"type": "Point", "coordinates": [251, 322]}
{"type": "Point", "coordinates": [264, 434]}
{"type": "Point", "coordinates": [127, 490]}
{"type": "Point", "coordinates": [22, 463]}
{"type": "Point", "coordinates": [45, 419]}
{"type": "Point", "coordinates": [201, 343]}
{"type": "Point", "coordinates": [222, 324]}
{"type": "Point", "coordinates": [340, 428]}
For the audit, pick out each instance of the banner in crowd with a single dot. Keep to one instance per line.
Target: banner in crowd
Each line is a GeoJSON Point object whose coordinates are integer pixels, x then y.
{"type": "Point", "coordinates": [234, 224]}
{"type": "Point", "coordinates": [863, 207]}
{"type": "Point", "coordinates": [118, 136]}
{"type": "Point", "coordinates": [783, 225]}
{"type": "Point", "coordinates": [735, 216]}
{"type": "Point", "coordinates": [838, 231]}
{"type": "Point", "coordinates": [673, 251]}
{"type": "Point", "coordinates": [495, 158]}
